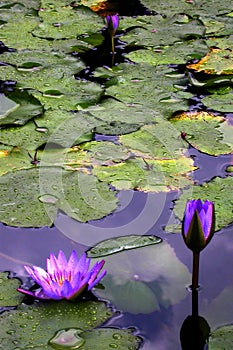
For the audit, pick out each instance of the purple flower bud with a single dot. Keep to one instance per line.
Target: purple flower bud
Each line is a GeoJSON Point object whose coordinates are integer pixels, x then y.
{"type": "Point", "coordinates": [113, 23]}
{"type": "Point", "coordinates": [198, 224]}
{"type": "Point", "coordinates": [64, 279]}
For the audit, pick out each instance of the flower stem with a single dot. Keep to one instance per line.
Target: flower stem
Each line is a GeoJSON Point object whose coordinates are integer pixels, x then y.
{"type": "Point", "coordinates": [196, 256]}
{"type": "Point", "coordinates": [113, 49]}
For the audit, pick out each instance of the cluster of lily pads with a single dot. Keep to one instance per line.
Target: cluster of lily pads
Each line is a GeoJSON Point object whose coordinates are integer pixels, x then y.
{"type": "Point", "coordinates": [51, 159]}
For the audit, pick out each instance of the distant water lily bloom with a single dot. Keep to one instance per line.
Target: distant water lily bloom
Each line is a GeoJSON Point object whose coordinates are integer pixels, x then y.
{"type": "Point", "coordinates": [64, 279]}
{"type": "Point", "coordinates": [113, 23]}
{"type": "Point", "coordinates": [198, 224]}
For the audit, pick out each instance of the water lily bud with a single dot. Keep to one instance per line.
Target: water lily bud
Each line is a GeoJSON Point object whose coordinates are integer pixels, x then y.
{"type": "Point", "coordinates": [113, 23]}
{"type": "Point", "coordinates": [198, 224]}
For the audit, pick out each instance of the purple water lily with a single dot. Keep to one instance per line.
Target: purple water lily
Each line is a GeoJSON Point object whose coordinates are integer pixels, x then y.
{"type": "Point", "coordinates": [64, 279]}
{"type": "Point", "coordinates": [113, 23]}
{"type": "Point", "coordinates": [198, 224]}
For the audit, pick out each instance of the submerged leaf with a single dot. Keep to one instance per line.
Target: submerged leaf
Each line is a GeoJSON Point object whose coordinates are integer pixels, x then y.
{"type": "Point", "coordinates": [8, 293]}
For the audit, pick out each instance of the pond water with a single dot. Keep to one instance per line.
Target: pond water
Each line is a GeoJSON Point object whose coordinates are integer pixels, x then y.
{"type": "Point", "coordinates": [96, 145]}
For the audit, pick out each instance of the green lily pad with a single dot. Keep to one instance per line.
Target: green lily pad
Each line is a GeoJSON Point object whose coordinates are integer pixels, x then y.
{"type": "Point", "coordinates": [160, 31]}
{"type": "Point", "coordinates": [221, 338]}
{"type": "Point", "coordinates": [112, 246]}
{"type": "Point", "coordinates": [66, 22]}
{"type": "Point", "coordinates": [7, 106]}
{"type": "Point", "coordinates": [221, 103]}
{"type": "Point", "coordinates": [25, 108]}
{"type": "Point", "coordinates": [218, 191]}
{"type": "Point", "coordinates": [31, 198]}
{"type": "Point", "coordinates": [200, 127]}
{"type": "Point", "coordinates": [152, 274]}
{"type": "Point", "coordinates": [33, 326]}
{"type": "Point", "coordinates": [55, 126]}
{"type": "Point", "coordinates": [178, 53]}
{"type": "Point", "coordinates": [15, 159]}
{"type": "Point", "coordinates": [8, 293]}
{"type": "Point", "coordinates": [140, 80]}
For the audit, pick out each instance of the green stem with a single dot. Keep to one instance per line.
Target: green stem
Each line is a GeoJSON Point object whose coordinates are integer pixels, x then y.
{"type": "Point", "coordinates": [113, 49]}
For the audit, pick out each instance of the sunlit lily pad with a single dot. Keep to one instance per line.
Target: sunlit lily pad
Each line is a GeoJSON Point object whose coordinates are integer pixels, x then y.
{"type": "Point", "coordinates": [26, 107]}
{"type": "Point", "coordinates": [154, 275]}
{"type": "Point", "coordinates": [118, 244]}
{"type": "Point", "coordinates": [8, 293]}
{"type": "Point", "coordinates": [217, 61]}
{"type": "Point", "coordinates": [221, 338]}
{"type": "Point", "coordinates": [32, 197]}
{"type": "Point", "coordinates": [219, 191]}
{"type": "Point", "coordinates": [200, 128]}
{"type": "Point", "coordinates": [33, 326]}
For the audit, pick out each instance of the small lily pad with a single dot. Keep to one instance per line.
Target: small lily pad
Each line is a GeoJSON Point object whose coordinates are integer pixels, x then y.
{"type": "Point", "coordinates": [8, 293]}
{"type": "Point", "coordinates": [118, 244]}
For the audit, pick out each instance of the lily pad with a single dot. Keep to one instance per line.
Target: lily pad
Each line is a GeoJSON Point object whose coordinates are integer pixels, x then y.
{"type": "Point", "coordinates": [118, 244]}
{"type": "Point", "coordinates": [200, 128]}
{"type": "Point", "coordinates": [31, 198]}
{"type": "Point", "coordinates": [152, 274]}
{"type": "Point", "coordinates": [33, 326]}
{"type": "Point", "coordinates": [159, 31]}
{"type": "Point", "coordinates": [25, 108]}
{"type": "Point", "coordinates": [221, 103]}
{"type": "Point", "coordinates": [221, 338]}
{"type": "Point", "coordinates": [218, 191]}
{"type": "Point", "coordinates": [8, 293]}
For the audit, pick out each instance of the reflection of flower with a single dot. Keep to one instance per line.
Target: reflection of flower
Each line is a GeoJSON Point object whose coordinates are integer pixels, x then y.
{"type": "Point", "coordinates": [198, 224]}
{"type": "Point", "coordinates": [64, 279]}
{"type": "Point", "coordinates": [113, 23]}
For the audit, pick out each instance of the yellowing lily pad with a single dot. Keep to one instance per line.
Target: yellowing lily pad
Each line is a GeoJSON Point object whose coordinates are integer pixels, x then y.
{"type": "Point", "coordinates": [217, 61]}
{"type": "Point", "coordinates": [204, 131]}
{"type": "Point", "coordinates": [221, 338]}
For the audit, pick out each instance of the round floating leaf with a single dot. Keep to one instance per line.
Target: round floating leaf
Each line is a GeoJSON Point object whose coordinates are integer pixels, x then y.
{"type": "Point", "coordinates": [33, 326]}
{"type": "Point", "coordinates": [152, 274]}
{"type": "Point", "coordinates": [178, 53]}
{"type": "Point", "coordinates": [140, 80]}
{"type": "Point", "coordinates": [7, 106]}
{"type": "Point", "coordinates": [200, 128]}
{"type": "Point", "coordinates": [221, 338]}
{"type": "Point", "coordinates": [32, 197]}
{"type": "Point", "coordinates": [66, 22]}
{"type": "Point", "coordinates": [27, 107]}
{"type": "Point", "coordinates": [15, 159]}
{"type": "Point", "coordinates": [8, 293]}
{"type": "Point", "coordinates": [221, 103]}
{"type": "Point", "coordinates": [218, 191]}
{"type": "Point", "coordinates": [162, 31]}
{"type": "Point", "coordinates": [111, 246]}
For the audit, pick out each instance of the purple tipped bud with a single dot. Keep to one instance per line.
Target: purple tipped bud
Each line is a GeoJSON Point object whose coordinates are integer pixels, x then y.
{"type": "Point", "coordinates": [113, 23]}
{"type": "Point", "coordinates": [198, 224]}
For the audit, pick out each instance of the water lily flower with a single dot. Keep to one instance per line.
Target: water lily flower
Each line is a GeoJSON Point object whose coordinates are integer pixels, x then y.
{"type": "Point", "coordinates": [113, 23]}
{"type": "Point", "coordinates": [198, 224]}
{"type": "Point", "coordinates": [64, 279]}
